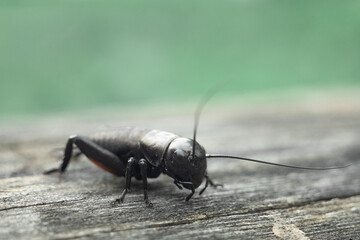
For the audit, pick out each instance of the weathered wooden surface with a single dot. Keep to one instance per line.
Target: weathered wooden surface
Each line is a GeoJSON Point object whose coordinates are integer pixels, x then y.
{"type": "Point", "coordinates": [256, 202]}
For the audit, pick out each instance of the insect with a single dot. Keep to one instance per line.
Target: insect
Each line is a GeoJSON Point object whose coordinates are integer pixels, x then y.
{"type": "Point", "coordinates": [144, 153]}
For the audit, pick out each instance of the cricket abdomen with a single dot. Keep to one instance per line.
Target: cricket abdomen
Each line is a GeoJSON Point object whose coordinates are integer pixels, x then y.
{"type": "Point", "coordinates": [123, 142]}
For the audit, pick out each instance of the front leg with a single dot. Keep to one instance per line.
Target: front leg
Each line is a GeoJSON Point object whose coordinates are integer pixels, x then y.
{"type": "Point", "coordinates": [190, 195]}
{"type": "Point", "coordinates": [128, 172]}
{"type": "Point", "coordinates": [208, 181]}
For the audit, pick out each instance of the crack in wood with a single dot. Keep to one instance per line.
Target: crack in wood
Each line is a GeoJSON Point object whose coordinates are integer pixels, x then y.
{"type": "Point", "coordinates": [40, 204]}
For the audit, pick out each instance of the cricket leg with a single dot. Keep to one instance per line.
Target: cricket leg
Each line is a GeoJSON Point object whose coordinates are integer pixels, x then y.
{"type": "Point", "coordinates": [128, 173]}
{"type": "Point", "coordinates": [100, 156]}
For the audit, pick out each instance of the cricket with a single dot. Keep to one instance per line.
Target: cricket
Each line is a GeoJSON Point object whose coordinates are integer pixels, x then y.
{"type": "Point", "coordinates": [145, 153]}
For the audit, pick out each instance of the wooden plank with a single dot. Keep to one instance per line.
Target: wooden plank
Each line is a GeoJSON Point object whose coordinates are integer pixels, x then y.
{"type": "Point", "coordinates": [256, 202]}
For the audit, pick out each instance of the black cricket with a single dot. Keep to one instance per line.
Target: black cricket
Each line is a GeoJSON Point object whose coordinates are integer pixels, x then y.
{"type": "Point", "coordinates": [144, 153]}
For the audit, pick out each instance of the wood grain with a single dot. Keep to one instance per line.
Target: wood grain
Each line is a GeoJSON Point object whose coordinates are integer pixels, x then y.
{"type": "Point", "coordinates": [256, 202]}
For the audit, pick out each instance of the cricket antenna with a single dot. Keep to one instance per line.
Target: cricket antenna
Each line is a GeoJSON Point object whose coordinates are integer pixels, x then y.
{"type": "Point", "coordinates": [274, 164]}
{"type": "Point", "coordinates": [209, 94]}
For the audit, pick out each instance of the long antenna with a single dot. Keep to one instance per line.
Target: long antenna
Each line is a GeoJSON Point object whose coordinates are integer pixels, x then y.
{"type": "Point", "coordinates": [275, 164]}
{"type": "Point", "coordinates": [209, 94]}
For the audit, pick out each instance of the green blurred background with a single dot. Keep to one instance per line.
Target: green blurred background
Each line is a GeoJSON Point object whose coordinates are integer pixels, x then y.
{"type": "Point", "coordinates": [68, 55]}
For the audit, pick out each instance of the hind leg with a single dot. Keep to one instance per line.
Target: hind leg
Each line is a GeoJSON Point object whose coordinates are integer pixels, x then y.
{"type": "Point", "coordinates": [100, 156]}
